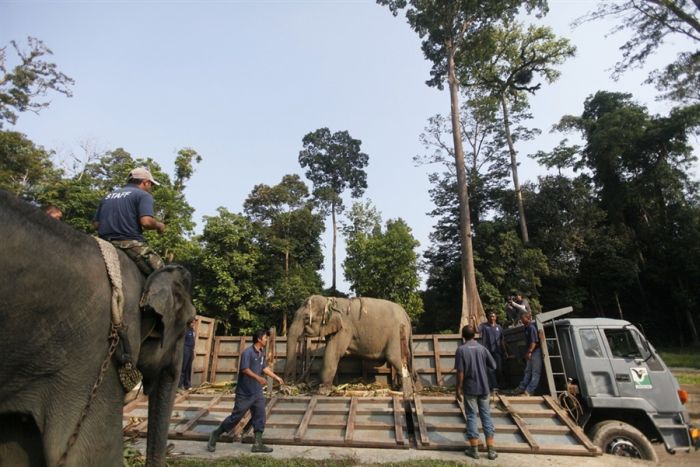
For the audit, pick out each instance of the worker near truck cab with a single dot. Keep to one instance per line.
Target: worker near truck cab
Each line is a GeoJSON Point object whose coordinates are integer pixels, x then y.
{"type": "Point", "coordinates": [492, 338]}
{"type": "Point", "coordinates": [472, 362]}
{"type": "Point", "coordinates": [533, 358]}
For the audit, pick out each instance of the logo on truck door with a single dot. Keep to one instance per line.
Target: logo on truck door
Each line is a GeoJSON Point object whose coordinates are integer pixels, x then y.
{"type": "Point", "coordinates": [640, 378]}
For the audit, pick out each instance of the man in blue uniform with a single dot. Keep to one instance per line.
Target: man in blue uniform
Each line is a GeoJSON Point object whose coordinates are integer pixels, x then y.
{"type": "Point", "coordinates": [249, 393]}
{"type": "Point", "coordinates": [188, 356]}
{"type": "Point", "coordinates": [492, 338]}
{"type": "Point", "coordinates": [123, 215]}
{"type": "Point", "coordinates": [533, 357]}
{"type": "Point", "coordinates": [472, 361]}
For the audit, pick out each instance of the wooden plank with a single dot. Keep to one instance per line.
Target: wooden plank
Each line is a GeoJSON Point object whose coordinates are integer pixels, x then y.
{"type": "Point", "coordinates": [350, 427]}
{"type": "Point", "coordinates": [522, 425]}
{"type": "Point", "coordinates": [422, 429]}
{"type": "Point", "coordinates": [195, 418]}
{"type": "Point", "coordinates": [303, 426]}
{"type": "Point", "coordinates": [270, 406]}
{"type": "Point", "coordinates": [575, 429]}
{"type": "Point", "coordinates": [436, 355]}
{"type": "Point", "coordinates": [398, 426]}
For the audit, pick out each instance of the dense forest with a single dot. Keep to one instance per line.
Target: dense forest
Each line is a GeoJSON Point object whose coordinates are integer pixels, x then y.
{"type": "Point", "coordinates": [614, 233]}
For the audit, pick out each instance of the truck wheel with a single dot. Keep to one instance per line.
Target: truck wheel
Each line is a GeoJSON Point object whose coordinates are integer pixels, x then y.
{"type": "Point", "coordinates": [620, 439]}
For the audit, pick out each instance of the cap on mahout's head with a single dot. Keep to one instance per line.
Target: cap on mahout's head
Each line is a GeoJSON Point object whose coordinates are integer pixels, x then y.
{"type": "Point", "coordinates": [142, 173]}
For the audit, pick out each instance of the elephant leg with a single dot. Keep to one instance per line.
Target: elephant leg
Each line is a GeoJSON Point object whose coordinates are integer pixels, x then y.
{"type": "Point", "coordinates": [335, 349]}
{"type": "Point", "coordinates": [20, 441]}
{"type": "Point", "coordinates": [394, 358]}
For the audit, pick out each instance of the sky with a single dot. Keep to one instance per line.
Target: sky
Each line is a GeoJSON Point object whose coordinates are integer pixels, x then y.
{"type": "Point", "coordinates": [242, 82]}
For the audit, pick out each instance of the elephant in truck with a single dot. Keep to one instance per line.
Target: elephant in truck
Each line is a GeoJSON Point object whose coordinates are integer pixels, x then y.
{"type": "Point", "coordinates": [55, 303]}
{"type": "Point", "coordinates": [368, 328]}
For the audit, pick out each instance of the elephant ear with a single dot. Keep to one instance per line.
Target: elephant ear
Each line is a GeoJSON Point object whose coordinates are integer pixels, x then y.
{"type": "Point", "coordinates": [158, 295]}
{"type": "Point", "coordinates": [334, 324]}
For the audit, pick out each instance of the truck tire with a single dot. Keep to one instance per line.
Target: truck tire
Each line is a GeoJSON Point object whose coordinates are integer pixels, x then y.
{"type": "Point", "coordinates": [620, 439]}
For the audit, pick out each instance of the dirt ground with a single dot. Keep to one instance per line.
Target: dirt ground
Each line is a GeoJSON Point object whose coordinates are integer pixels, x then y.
{"type": "Point", "coordinates": [364, 456]}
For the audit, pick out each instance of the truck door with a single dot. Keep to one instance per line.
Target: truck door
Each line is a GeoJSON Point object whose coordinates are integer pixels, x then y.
{"type": "Point", "coordinates": [638, 371]}
{"type": "Point", "coordinates": [630, 371]}
{"type": "Point", "coordinates": [596, 370]}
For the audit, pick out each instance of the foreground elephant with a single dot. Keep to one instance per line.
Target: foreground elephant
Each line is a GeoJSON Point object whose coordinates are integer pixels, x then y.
{"type": "Point", "coordinates": [55, 301]}
{"type": "Point", "coordinates": [368, 328]}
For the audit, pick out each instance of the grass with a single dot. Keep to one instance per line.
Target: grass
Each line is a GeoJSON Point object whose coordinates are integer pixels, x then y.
{"type": "Point", "coordinates": [688, 378]}
{"type": "Point", "coordinates": [685, 357]}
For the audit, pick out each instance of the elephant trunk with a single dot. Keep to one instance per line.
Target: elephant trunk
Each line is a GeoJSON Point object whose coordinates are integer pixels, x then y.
{"type": "Point", "coordinates": [296, 330]}
{"type": "Point", "coordinates": [160, 406]}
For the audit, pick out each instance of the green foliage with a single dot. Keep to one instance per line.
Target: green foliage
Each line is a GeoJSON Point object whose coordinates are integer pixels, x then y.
{"type": "Point", "coordinates": [31, 78]}
{"type": "Point", "coordinates": [383, 264]}
{"type": "Point", "coordinates": [333, 163]}
{"type": "Point", "coordinates": [650, 24]}
{"type": "Point", "coordinates": [225, 272]}
{"type": "Point", "coordinates": [287, 230]}
{"type": "Point", "coordinates": [26, 170]}
{"type": "Point", "coordinates": [503, 60]}
{"type": "Point", "coordinates": [641, 257]}
{"type": "Point", "coordinates": [445, 27]}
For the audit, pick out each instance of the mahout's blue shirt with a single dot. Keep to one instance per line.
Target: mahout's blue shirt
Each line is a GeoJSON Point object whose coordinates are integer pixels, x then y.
{"type": "Point", "coordinates": [120, 212]}
{"type": "Point", "coordinates": [256, 361]}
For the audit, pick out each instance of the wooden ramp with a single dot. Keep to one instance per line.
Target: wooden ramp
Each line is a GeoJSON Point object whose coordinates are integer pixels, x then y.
{"type": "Point", "coordinates": [523, 425]}
{"type": "Point", "coordinates": [377, 422]}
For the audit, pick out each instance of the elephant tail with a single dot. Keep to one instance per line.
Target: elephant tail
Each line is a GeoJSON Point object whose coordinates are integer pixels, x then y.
{"type": "Point", "coordinates": [417, 385]}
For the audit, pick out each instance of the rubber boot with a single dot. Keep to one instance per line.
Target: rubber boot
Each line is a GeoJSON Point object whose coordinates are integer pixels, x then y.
{"type": "Point", "coordinates": [214, 437]}
{"type": "Point", "coordinates": [492, 454]}
{"type": "Point", "coordinates": [472, 451]}
{"type": "Point", "coordinates": [258, 446]}
{"type": "Point", "coordinates": [491, 451]}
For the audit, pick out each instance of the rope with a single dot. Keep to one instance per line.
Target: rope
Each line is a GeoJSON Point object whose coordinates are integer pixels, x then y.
{"type": "Point", "coordinates": [571, 404]}
{"type": "Point", "coordinates": [109, 254]}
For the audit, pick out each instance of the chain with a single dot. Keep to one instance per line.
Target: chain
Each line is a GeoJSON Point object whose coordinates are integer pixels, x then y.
{"type": "Point", "coordinates": [114, 340]}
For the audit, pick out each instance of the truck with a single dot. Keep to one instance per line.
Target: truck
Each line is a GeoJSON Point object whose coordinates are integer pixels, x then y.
{"type": "Point", "coordinates": [611, 381]}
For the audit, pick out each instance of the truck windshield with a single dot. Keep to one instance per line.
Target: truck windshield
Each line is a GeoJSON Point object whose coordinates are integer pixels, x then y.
{"type": "Point", "coordinates": [622, 343]}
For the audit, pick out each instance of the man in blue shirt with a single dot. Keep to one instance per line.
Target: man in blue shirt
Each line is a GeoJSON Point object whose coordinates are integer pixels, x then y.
{"type": "Point", "coordinates": [188, 356]}
{"type": "Point", "coordinates": [249, 393]}
{"type": "Point", "coordinates": [533, 357]}
{"type": "Point", "coordinates": [123, 215]}
{"type": "Point", "coordinates": [472, 361]}
{"type": "Point", "coordinates": [492, 338]}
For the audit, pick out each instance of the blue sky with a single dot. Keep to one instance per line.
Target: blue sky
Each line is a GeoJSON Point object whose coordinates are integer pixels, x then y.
{"type": "Point", "coordinates": [243, 81]}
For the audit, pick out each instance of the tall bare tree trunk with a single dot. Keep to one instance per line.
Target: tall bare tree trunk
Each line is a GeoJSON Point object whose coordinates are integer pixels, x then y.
{"type": "Point", "coordinates": [334, 240]}
{"type": "Point", "coordinates": [514, 170]}
{"type": "Point", "coordinates": [472, 309]}
{"type": "Point", "coordinates": [286, 278]}
{"type": "Point", "coordinates": [619, 307]}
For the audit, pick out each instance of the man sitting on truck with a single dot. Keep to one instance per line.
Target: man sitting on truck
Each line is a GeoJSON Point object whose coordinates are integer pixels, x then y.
{"type": "Point", "coordinates": [533, 357]}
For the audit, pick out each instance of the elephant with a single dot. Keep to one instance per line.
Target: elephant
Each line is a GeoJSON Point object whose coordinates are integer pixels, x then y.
{"type": "Point", "coordinates": [368, 328]}
{"type": "Point", "coordinates": [55, 302]}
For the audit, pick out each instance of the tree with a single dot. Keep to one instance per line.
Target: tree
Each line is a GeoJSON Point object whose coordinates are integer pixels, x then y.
{"type": "Point", "coordinates": [25, 169]}
{"type": "Point", "coordinates": [226, 272]}
{"type": "Point", "coordinates": [481, 133]}
{"type": "Point", "coordinates": [504, 67]}
{"type": "Point", "coordinates": [639, 164]}
{"type": "Point", "coordinates": [30, 79]}
{"type": "Point", "coordinates": [651, 22]}
{"type": "Point", "coordinates": [334, 163]}
{"type": "Point", "coordinates": [383, 264]}
{"type": "Point", "coordinates": [445, 29]}
{"type": "Point", "coordinates": [287, 230]}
